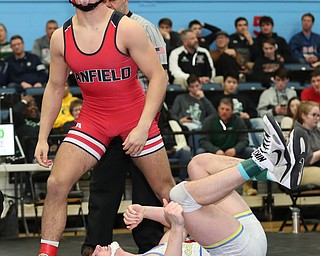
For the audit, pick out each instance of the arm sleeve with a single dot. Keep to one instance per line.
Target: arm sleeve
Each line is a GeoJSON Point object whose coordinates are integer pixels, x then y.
{"type": "Point", "coordinates": [264, 106]}
{"type": "Point", "coordinates": [295, 48]}
{"type": "Point", "coordinates": [205, 139]}
{"type": "Point", "coordinates": [213, 70]}
{"type": "Point", "coordinates": [211, 37]}
{"type": "Point", "coordinates": [242, 138]}
{"type": "Point", "coordinates": [174, 66]}
{"type": "Point", "coordinates": [175, 109]}
{"type": "Point", "coordinates": [210, 110]}
{"type": "Point", "coordinates": [158, 43]}
{"type": "Point", "coordinates": [36, 49]}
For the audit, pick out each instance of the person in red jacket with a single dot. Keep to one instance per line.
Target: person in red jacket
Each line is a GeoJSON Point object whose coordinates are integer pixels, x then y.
{"type": "Point", "coordinates": [312, 93]}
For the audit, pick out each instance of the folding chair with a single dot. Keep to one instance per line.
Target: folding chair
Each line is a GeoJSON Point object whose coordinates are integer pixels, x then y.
{"type": "Point", "coordinates": [309, 190]}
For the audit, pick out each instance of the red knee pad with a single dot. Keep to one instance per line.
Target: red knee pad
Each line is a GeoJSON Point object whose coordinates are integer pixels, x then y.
{"type": "Point", "coordinates": [49, 249]}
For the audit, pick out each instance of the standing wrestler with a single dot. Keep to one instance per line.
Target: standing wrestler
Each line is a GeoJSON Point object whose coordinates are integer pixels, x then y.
{"type": "Point", "coordinates": [105, 61]}
{"type": "Point", "coordinates": [108, 178]}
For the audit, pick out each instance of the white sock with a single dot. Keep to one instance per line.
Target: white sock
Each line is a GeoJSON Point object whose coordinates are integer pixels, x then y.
{"type": "Point", "coordinates": [53, 243]}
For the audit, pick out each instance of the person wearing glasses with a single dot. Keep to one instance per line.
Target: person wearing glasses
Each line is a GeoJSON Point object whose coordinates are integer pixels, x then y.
{"type": "Point", "coordinates": [307, 119]}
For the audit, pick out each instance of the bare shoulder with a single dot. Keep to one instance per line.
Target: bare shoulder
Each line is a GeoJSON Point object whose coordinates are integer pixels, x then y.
{"type": "Point", "coordinates": [56, 44]}
{"type": "Point", "coordinates": [130, 30]}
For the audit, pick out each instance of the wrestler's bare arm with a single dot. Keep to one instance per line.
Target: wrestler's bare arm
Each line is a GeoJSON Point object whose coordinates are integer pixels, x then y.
{"type": "Point", "coordinates": [174, 214]}
{"type": "Point", "coordinates": [135, 213]}
{"type": "Point", "coordinates": [132, 38]}
{"type": "Point", "coordinates": [52, 96]}
{"type": "Point", "coordinates": [143, 53]}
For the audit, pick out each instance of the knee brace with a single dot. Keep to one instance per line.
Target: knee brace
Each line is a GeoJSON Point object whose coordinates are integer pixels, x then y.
{"type": "Point", "coordinates": [180, 195]}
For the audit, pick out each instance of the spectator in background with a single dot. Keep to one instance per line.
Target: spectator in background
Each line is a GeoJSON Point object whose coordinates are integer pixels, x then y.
{"type": "Point", "coordinates": [176, 144]}
{"type": "Point", "coordinates": [75, 108]}
{"type": "Point", "coordinates": [242, 41]}
{"type": "Point", "coordinates": [226, 60]}
{"type": "Point", "coordinates": [204, 41]}
{"type": "Point", "coordinates": [283, 51]}
{"type": "Point", "coordinates": [3, 73]}
{"type": "Point", "coordinates": [41, 46]}
{"type": "Point", "coordinates": [64, 114]}
{"type": "Point", "coordinates": [242, 106]}
{"type": "Point", "coordinates": [221, 143]}
{"type": "Point", "coordinates": [312, 93]}
{"type": "Point", "coordinates": [287, 121]}
{"type": "Point", "coordinates": [305, 45]}
{"type": "Point", "coordinates": [307, 119]}
{"type": "Point", "coordinates": [228, 144]}
{"type": "Point", "coordinates": [26, 124]}
{"type": "Point", "coordinates": [265, 66]}
{"type": "Point", "coordinates": [190, 59]}
{"type": "Point", "coordinates": [274, 100]}
{"type": "Point", "coordinates": [171, 38]}
{"type": "Point", "coordinates": [5, 49]}
{"type": "Point", "coordinates": [25, 69]}
{"type": "Point", "coordinates": [191, 108]}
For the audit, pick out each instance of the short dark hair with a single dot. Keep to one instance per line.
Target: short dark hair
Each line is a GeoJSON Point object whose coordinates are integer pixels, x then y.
{"type": "Point", "coordinates": [14, 37]}
{"type": "Point", "coordinates": [308, 15]}
{"type": "Point", "coordinates": [315, 73]}
{"type": "Point", "coordinates": [240, 19]}
{"type": "Point", "coordinates": [269, 40]}
{"type": "Point", "coordinates": [266, 20]}
{"type": "Point", "coordinates": [165, 21]}
{"type": "Point", "coordinates": [282, 73]}
{"type": "Point", "coordinates": [192, 78]}
{"type": "Point", "coordinates": [194, 22]}
{"type": "Point", "coordinates": [232, 75]}
{"type": "Point", "coordinates": [51, 21]}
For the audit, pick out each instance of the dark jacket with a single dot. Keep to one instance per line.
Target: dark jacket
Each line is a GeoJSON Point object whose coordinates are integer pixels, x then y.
{"type": "Point", "coordinates": [264, 69]}
{"type": "Point", "coordinates": [283, 48]}
{"type": "Point", "coordinates": [212, 142]}
{"type": "Point", "coordinates": [28, 69]}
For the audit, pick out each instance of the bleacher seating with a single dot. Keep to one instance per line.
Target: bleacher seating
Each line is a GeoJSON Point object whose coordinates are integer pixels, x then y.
{"type": "Point", "coordinates": [245, 86]}
{"type": "Point", "coordinates": [295, 86]}
{"type": "Point", "coordinates": [212, 87]}
{"type": "Point", "coordinates": [5, 90]}
{"type": "Point", "coordinates": [174, 87]}
{"type": "Point", "coordinates": [35, 91]}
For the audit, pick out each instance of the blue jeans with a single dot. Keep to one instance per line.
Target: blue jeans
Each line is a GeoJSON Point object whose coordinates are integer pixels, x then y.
{"type": "Point", "coordinates": [184, 157]}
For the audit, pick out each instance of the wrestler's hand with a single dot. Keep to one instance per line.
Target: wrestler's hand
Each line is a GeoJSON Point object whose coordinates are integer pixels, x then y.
{"type": "Point", "coordinates": [135, 142]}
{"type": "Point", "coordinates": [174, 214]}
{"type": "Point", "coordinates": [41, 154]}
{"type": "Point", "coordinates": [133, 215]}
